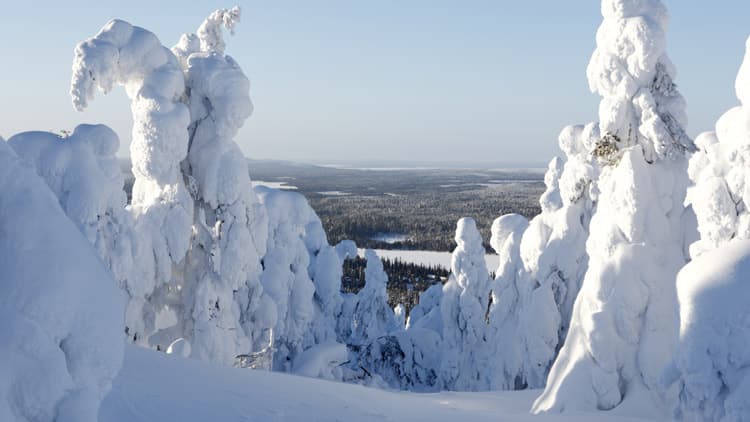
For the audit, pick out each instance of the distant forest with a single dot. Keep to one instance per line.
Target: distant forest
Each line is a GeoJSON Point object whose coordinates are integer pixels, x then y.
{"type": "Point", "coordinates": [428, 220]}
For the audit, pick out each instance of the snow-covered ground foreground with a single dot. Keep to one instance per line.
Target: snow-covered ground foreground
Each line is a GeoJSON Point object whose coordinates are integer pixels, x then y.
{"type": "Point", "coordinates": [154, 386]}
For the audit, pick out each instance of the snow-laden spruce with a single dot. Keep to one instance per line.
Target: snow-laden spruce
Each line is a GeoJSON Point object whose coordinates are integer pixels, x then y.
{"type": "Point", "coordinates": [521, 310]}
{"type": "Point", "coordinates": [222, 298]}
{"type": "Point", "coordinates": [720, 171]}
{"type": "Point", "coordinates": [463, 308]}
{"type": "Point", "coordinates": [123, 54]}
{"type": "Point", "coordinates": [542, 263]}
{"type": "Point", "coordinates": [302, 276]}
{"type": "Point", "coordinates": [620, 338]}
{"type": "Point", "coordinates": [285, 277]}
{"type": "Point", "coordinates": [62, 314]}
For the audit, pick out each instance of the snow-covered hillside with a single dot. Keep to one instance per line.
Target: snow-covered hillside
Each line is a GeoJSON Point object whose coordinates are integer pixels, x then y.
{"type": "Point", "coordinates": [156, 387]}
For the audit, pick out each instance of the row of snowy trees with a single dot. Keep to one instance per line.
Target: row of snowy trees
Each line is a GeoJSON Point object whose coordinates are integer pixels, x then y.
{"type": "Point", "coordinates": [587, 301]}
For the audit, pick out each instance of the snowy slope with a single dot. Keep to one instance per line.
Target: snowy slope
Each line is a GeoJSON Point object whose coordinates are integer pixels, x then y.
{"type": "Point", "coordinates": [157, 387]}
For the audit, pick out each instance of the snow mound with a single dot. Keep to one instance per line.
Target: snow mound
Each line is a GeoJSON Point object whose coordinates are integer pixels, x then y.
{"type": "Point", "coordinates": [62, 313]}
{"type": "Point", "coordinates": [713, 353]}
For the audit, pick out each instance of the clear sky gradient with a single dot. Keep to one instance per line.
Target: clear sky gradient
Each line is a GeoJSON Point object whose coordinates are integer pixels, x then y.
{"type": "Point", "coordinates": [425, 80]}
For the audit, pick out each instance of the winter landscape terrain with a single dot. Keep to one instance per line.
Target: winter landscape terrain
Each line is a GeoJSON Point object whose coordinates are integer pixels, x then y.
{"type": "Point", "coordinates": [194, 293]}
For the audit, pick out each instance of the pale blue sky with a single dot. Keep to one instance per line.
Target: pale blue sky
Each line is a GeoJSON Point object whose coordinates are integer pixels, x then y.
{"type": "Point", "coordinates": [434, 80]}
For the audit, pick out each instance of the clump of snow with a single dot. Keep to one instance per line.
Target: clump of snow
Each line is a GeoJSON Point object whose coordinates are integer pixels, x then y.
{"type": "Point", "coordinates": [618, 342]}
{"type": "Point", "coordinates": [322, 361]}
{"type": "Point", "coordinates": [180, 347]}
{"type": "Point", "coordinates": [713, 350]}
{"type": "Point", "coordinates": [400, 313]}
{"type": "Point", "coordinates": [62, 313]}
{"type": "Point", "coordinates": [719, 172]}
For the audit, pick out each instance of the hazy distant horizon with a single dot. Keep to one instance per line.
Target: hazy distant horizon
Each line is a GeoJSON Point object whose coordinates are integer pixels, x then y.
{"type": "Point", "coordinates": [435, 80]}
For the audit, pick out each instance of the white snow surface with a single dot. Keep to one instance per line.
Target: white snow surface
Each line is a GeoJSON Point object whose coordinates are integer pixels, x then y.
{"type": "Point", "coordinates": [154, 386]}
{"type": "Point", "coordinates": [61, 310]}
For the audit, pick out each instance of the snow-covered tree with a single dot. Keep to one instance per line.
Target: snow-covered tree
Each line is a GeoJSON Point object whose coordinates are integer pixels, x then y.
{"type": "Point", "coordinates": [83, 171]}
{"type": "Point", "coordinates": [131, 56]}
{"type": "Point", "coordinates": [285, 276]}
{"type": "Point", "coordinates": [326, 270]}
{"type": "Point", "coordinates": [714, 334]}
{"type": "Point", "coordinates": [464, 309]}
{"type": "Point", "coordinates": [620, 339]}
{"type": "Point", "coordinates": [62, 314]}
{"type": "Point", "coordinates": [372, 316]}
{"type": "Point", "coordinates": [542, 264]}
{"type": "Point", "coordinates": [222, 289]}
{"type": "Point", "coordinates": [720, 173]}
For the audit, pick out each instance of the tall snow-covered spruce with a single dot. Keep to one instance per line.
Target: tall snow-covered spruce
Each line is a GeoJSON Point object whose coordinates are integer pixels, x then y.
{"type": "Point", "coordinates": [224, 310]}
{"type": "Point", "coordinates": [620, 337]}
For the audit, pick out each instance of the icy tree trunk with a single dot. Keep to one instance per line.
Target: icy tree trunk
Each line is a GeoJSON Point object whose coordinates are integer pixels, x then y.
{"type": "Point", "coordinates": [464, 308]}
{"type": "Point", "coordinates": [620, 337]}
{"type": "Point", "coordinates": [131, 56]}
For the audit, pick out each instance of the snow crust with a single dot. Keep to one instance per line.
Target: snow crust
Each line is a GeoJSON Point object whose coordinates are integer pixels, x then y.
{"type": "Point", "coordinates": [62, 313]}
